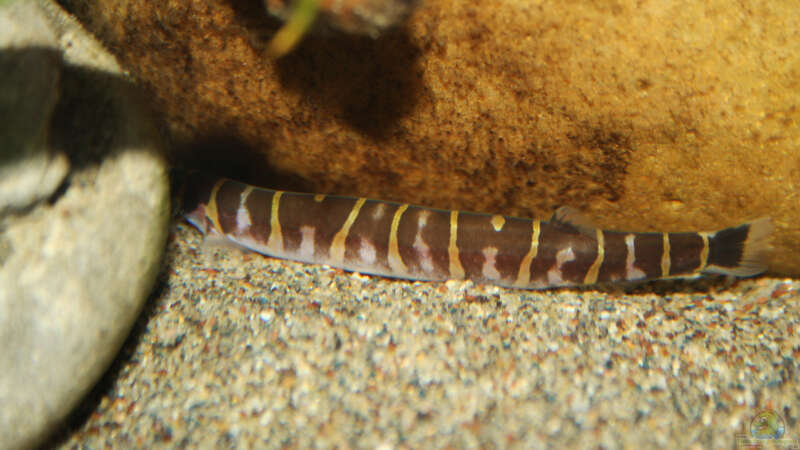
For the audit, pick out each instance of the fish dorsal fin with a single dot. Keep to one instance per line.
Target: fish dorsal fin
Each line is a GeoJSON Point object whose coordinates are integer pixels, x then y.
{"type": "Point", "coordinates": [571, 216]}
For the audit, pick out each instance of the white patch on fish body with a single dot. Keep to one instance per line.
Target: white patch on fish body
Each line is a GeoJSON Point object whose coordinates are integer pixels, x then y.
{"type": "Point", "coordinates": [380, 210]}
{"type": "Point", "coordinates": [420, 246]}
{"type": "Point", "coordinates": [554, 276]}
{"type": "Point", "coordinates": [424, 253]}
{"type": "Point", "coordinates": [422, 219]}
{"type": "Point", "coordinates": [243, 221]}
{"type": "Point", "coordinates": [306, 250]}
{"type": "Point", "coordinates": [632, 272]}
{"type": "Point", "coordinates": [489, 270]}
{"type": "Point", "coordinates": [367, 252]}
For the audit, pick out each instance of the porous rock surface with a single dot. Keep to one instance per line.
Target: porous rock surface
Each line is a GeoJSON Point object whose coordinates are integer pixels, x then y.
{"type": "Point", "coordinates": [646, 115]}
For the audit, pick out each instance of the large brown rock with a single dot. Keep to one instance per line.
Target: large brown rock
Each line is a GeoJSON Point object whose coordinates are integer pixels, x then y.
{"type": "Point", "coordinates": [645, 115]}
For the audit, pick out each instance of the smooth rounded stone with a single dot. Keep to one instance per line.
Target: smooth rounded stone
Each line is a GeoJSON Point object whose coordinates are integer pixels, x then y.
{"type": "Point", "coordinates": [30, 65]}
{"type": "Point", "coordinates": [75, 271]}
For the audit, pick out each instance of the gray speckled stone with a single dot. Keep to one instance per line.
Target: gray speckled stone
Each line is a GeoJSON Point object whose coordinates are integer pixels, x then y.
{"type": "Point", "coordinates": [75, 272]}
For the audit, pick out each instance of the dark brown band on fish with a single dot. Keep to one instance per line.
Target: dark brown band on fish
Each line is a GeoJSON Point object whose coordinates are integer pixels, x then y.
{"type": "Point", "coordinates": [369, 238]}
{"type": "Point", "coordinates": [649, 254]}
{"type": "Point", "coordinates": [685, 251]}
{"type": "Point", "coordinates": [258, 204]}
{"type": "Point", "coordinates": [618, 257]}
{"type": "Point", "coordinates": [227, 202]}
{"type": "Point", "coordinates": [415, 242]}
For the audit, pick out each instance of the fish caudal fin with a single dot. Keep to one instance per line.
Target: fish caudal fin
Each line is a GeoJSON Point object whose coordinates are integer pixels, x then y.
{"type": "Point", "coordinates": [741, 250]}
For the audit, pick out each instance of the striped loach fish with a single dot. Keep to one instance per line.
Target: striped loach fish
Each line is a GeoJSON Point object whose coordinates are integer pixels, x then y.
{"type": "Point", "coordinates": [418, 243]}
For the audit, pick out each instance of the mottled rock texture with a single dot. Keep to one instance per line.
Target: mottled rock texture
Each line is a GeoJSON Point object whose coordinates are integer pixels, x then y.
{"type": "Point", "coordinates": [646, 115]}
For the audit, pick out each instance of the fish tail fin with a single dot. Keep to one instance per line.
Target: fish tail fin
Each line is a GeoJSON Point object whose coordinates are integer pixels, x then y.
{"type": "Point", "coordinates": [742, 250]}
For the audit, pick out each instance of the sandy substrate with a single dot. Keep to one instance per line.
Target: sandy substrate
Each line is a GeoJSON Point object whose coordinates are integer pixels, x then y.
{"type": "Point", "coordinates": [236, 349]}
